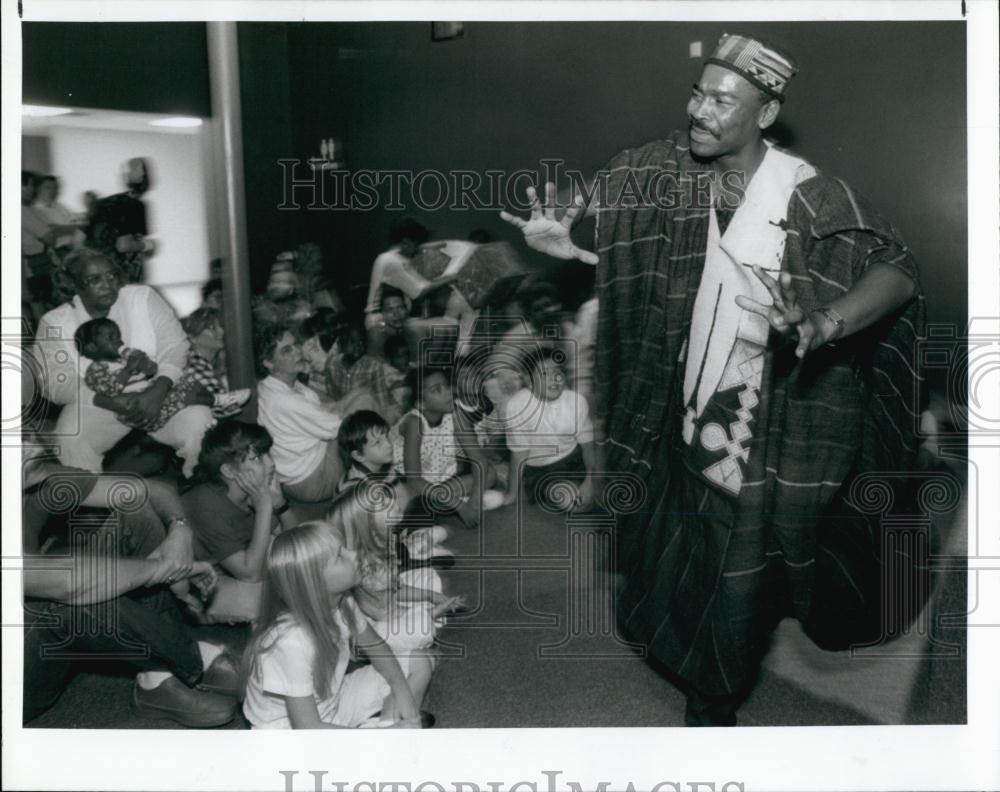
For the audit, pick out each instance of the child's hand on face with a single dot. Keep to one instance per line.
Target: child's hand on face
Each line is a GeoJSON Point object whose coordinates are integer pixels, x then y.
{"type": "Point", "coordinates": [255, 484]}
{"type": "Point", "coordinates": [274, 487]}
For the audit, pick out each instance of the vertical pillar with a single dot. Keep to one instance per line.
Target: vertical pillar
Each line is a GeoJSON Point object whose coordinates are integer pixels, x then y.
{"type": "Point", "coordinates": [230, 197]}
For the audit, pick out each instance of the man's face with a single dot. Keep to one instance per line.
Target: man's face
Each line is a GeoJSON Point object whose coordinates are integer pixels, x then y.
{"type": "Point", "coordinates": [724, 112]}
{"type": "Point", "coordinates": [98, 285]}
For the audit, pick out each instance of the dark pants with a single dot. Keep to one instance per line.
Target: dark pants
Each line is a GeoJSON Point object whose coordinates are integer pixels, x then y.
{"type": "Point", "coordinates": [546, 484]}
{"type": "Point", "coordinates": [143, 629]}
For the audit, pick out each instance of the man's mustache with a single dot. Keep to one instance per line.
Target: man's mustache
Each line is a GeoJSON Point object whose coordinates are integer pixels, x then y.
{"type": "Point", "coordinates": [695, 125]}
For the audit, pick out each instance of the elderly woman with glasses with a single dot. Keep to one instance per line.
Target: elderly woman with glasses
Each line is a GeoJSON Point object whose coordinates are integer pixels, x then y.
{"type": "Point", "coordinates": [86, 432]}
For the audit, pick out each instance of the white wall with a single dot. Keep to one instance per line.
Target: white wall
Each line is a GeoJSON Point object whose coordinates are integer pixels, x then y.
{"type": "Point", "coordinates": [91, 159]}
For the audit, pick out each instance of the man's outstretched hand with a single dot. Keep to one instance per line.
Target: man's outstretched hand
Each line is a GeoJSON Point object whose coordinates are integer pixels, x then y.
{"type": "Point", "coordinates": [543, 232]}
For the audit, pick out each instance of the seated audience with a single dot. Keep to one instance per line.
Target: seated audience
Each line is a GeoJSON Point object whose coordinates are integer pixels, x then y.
{"type": "Point", "coordinates": [394, 268]}
{"type": "Point", "coordinates": [551, 438]}
{"type": "Point", "coordinates": [37, 248]}
{"type": "Point", "coordinates": [546, 327]}
{"type": "Point", "coordinates": [318, 335]}
{"type": "Point", "coordinates": [234, 507]}
{"type": "Point", "coordinates": [323, 340]}
{"type": "Point", "coordinates": [211, 294]}
{"type": "Point", "coordinates": [365, 446]}
{"type": "Point", "coordinates": [136, 567]}
{"type": "Point", "coordinates": [206, 361]}
{"type": "Point", "coordinates": [311, 281]}
{"type": "Point", "coordinates": [394, 311]}
{"type": "Point", "coordinates": [236, 502]}
{"type": "Point", "coordinates": [66, 227]}
{"type": "Point", "coordinates": [116, 372]}
{"type": "Point", "coordinates": [146, 323]}
{"type": "Point", "coordinates": [304, 430]}
{"type": "Point", "coordinates": [396, 371]}
{"type": "Point", "coordinates": [348, 349]}
{"type": "Point", "coordinates": [295, 666]}
{"type": "Point", "coordinates": [374, 374]}
{"type": "Point", "coordinates": [400, 607]}
{"type": "Point", "coordinates": [426, 451]}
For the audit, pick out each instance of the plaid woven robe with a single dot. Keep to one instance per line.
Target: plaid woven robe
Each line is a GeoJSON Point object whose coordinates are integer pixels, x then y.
{"type": "Point", "coordinates": [707, 574]}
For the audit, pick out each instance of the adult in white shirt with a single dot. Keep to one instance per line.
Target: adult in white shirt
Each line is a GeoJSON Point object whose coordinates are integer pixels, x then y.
{"type": "Point", "coordinates": [83, 431]}
{"type": "Point", "coordinates": [394, 268]}
{"type": "Point", "coordinates": [305, 452]}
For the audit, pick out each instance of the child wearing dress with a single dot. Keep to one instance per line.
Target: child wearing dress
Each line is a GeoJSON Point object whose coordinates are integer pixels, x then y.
{"type": "Point", "coordinates": [295, 665]}
{"type": "Point", "coordinates": [401, 607]}
{"type": "Point", "coordinates": [117, 370]}
{"type": "Point", "coordinates": [551, 438]}
{"type": "Point", "coordinates": [426, 451]}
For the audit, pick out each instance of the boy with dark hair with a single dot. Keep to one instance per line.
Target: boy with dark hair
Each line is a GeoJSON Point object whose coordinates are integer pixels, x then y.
{"type": "Point", "coordinates": [365, 445]}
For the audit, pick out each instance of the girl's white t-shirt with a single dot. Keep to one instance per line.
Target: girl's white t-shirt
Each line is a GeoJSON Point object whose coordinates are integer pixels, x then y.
{"type": "Point", "coordinates": [285, 669]}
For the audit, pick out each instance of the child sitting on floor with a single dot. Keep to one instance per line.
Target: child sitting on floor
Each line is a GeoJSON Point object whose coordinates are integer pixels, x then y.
{"type": "Point", "coordinates": [396, 368]}
{"type": "Point", "coordinates": [365, 446]}
{"type": "Point", "coordinates": [367, 451]}
{"type": "Point", "coordinates": [551, 438]}
{"type": "Point", "coordinates": [426, 451]}
{"type": "Point", "coordinates": [117, 370]}
{"type": "Point", "coordinates": [402, 607]}
{"type": "Point", "coordinates": [294, 668]}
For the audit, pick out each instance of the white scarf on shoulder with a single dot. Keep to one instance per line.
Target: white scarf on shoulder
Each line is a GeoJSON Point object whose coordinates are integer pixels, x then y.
{"type": "Point", "coordinates": [755, 235]}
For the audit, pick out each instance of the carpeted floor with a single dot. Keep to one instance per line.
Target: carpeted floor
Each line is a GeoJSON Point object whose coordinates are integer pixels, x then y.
{"type": "Point", "coordinates": [538, 649]}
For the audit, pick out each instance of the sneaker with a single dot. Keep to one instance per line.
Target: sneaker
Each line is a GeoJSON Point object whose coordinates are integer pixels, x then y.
{"type": "Point", "coordinates": [175, 701]}
{"type": "Point", "coordinates": [221, 678]}
{"type": "Point", "coordinates": [232, 400]}
{"type": "Point", "coordinates": [492, 499]}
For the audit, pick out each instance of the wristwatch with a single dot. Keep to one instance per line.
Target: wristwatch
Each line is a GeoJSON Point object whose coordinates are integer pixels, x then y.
{"type": "Point", "coordinates": [836, 318]}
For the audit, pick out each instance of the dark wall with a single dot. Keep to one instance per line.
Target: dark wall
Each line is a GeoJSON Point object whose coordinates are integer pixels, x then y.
{"type": "Point", "coordinates": [144, 67]}
{"type": "Point", "coordinates": [881, 105]}
{"type": "Point", "coordinates": [267, 137]}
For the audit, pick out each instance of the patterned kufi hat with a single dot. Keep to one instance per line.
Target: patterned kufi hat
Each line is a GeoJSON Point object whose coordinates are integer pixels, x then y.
{"type": "Point", "coordinates": [763, 65]}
